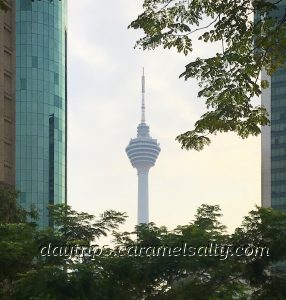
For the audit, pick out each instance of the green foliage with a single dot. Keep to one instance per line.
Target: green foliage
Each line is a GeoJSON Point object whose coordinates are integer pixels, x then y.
{"type": "Point", "coordinates": [17, 245]}
{"type": "Point", "coordinates": [265, 227]}
{"type": "Point", "coordinates": [74, 226]}
{"type": "Point", "coordinates": [67, 277]}
{"type": "Point", "coordinates": [127, 270]}
{"type": "Point", "coordinates": [229, 79]}
{"type": "Point", "coordinates": [3, 5]}
{"type": "Point", "coordinates": [10, 210]}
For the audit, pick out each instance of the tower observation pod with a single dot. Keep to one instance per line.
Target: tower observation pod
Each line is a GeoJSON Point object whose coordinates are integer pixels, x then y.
{"type": "Point", "coordinates": [142, 153]}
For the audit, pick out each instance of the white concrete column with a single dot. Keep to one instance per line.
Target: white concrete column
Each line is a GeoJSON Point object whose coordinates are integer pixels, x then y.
{"type": "Point", "coordinates": [266, 146]}
{"type": "Point", "coordinates": [143, 196]}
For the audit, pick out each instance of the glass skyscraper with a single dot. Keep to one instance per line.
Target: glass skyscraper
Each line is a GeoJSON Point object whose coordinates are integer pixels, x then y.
{"type": "Point", "coordinates": [41, 104]}
{"type": "Point", "coordinates": [274, 136]}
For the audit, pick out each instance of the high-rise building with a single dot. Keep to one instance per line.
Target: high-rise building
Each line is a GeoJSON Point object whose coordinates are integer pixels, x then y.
{"type": "Point", "coordinates": [274, 137]}
{"type": "Point", "coordinates": [41, 104]}
{"type": "Point", "coordinates": [33, 101]}
{"type": "Point", "coordinates": [143, 152]}
{"type": "Point", "coordinates": [7, 94]}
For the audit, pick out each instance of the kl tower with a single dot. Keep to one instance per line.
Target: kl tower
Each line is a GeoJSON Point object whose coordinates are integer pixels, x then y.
{"type": "Point", "coordinates": [142, 153]}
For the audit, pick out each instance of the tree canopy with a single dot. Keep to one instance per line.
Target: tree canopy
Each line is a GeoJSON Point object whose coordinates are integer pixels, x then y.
{"type": "Point", "coordinates": [231, 78]}
{"type": "Point", "coordinates": [33, 264]}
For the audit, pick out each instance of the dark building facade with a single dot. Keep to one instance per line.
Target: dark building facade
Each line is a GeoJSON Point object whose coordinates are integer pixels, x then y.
{"type": "Point", "coordinates": [7, 94]}
{"type": "Point", "coordinates": [274, 136]}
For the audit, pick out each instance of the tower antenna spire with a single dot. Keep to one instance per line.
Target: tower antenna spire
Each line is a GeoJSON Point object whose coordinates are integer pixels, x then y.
{"type": "Point", "coordinates": [143, 99]}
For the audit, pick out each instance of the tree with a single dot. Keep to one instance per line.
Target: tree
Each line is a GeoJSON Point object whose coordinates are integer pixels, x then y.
{"type": "Point", "coordinates": [149, 263]}
{"type": "Point", "coordinates": [24, 272]}
{"type": "Point", "coordinates": [17, 245]}
{"type": "Point", "coordinates": [73, 275]}
{"type": "Point", "coordinates": [123, 271]}
{"type": "Point", "coordinates": [10, 210]}
{"type": "Point", "coordinates": [267, 274]}
{"type": "Point", "coordinates": [229, 79]}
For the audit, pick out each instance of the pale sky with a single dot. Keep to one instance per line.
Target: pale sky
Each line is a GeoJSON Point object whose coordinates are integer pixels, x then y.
{"type": "Point", "coordinates": [104, 94]}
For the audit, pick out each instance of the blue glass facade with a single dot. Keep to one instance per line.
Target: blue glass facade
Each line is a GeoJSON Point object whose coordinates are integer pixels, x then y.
{"type": "Point", "coordinates": [278, 140]}
{"type": "Point", "coordinates": [278, 131]}
{"type": "Point", "coordinates": [41, 104]}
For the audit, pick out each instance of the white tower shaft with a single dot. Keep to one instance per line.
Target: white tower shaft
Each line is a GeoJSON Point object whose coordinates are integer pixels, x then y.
{"type": "Point", "coordinates": [143, 197]}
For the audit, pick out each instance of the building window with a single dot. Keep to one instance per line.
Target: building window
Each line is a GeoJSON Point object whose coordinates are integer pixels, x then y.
{"type": "Point", "coordinates": [23, 84]}
{"type": "Point", "coordinates": [34, 62]}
